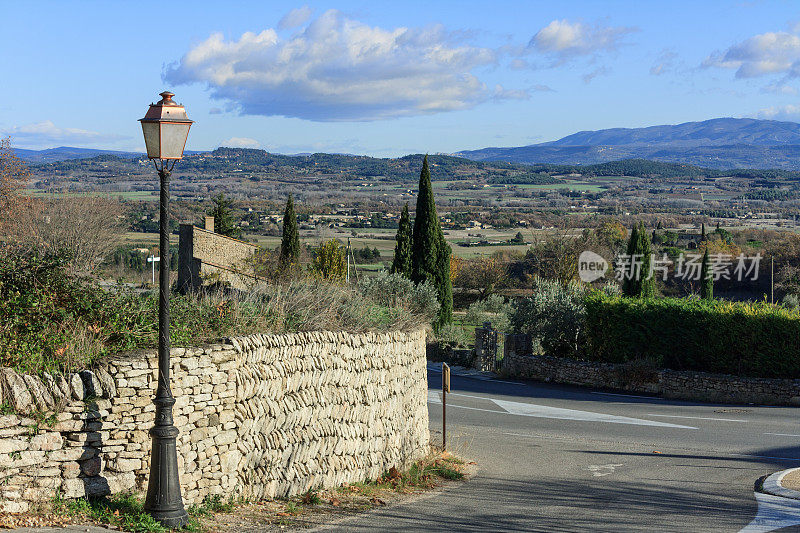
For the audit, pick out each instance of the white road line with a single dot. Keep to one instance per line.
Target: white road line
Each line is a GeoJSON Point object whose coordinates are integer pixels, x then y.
{"type": "Point", "coordinates": [782, 434]}
{"type": "Point", "coordinates": [544, 411]}
{"type": "Point", "coordinates": [774, 513]}
{"type": "Point", "coordinates": [627, 396]}
{"type": "Point", "coordinates": [699, 418]}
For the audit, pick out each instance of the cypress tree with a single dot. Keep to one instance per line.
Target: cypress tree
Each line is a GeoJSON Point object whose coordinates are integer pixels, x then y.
{"type": "Point", "coordinates": [402, 250]}
{"type": "Point", "coordinates": [706, 279]}
{"type": "Point", "coordinates": [223, 219]}
{"type": "Point", "coordinates": [290, 240]}
{"type": "Point", "coordinates": [639, 282]}
{"type": "Point", "coordinates": [628, 281]}
{"type": "Point", "coordinates": [430, 254]}
{"type": "Point", "coordinates": [703, 232]}
{"type": "Point", "coordinates": [648, 284]}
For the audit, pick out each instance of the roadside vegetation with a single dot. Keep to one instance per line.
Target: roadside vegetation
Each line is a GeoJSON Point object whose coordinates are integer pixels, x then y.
{"type": "Point", "coordinates": [125, 511]}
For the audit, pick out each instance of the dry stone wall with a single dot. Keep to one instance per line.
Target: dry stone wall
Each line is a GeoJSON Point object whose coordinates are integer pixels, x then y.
{"type": "Point", "coordinates": [259, 416]}
{"type": "Point", "coordinates": [639, 378]}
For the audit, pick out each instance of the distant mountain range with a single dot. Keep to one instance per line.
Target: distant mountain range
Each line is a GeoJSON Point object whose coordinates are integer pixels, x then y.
{"type": "Point", "coordinates": [722, 143]}
{"type": "Point", "coordinates": [64, 153]}
{"type": "Point", "coordinates": [67, 153]}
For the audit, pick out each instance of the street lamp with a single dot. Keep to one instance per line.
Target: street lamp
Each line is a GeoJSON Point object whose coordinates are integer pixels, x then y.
{"type": "Point", "coordinates": [165, 128]}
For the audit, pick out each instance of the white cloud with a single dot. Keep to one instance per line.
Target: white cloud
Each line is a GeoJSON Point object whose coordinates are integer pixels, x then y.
{"type": "Point", "coordinates": [600, 71]}
{"type": "Point", "coordinates": [502, 93]}
{"type": "Point", "coordinates": [786, 112]}
{"type": "Point", "coordinates": [295, 17]}
{"type": "Point", "coordinates": [339, 69]}
{"type": "Point", "coordinates": [240, 142]}
{"type": "Point", "coordinates": [565, 40]}
{"type": "Point", "coordinates": [760, 55]}
{"type": "Point", "coordinates": [47, 134]}
{"type": "Point", "coordinates": [664, 62]}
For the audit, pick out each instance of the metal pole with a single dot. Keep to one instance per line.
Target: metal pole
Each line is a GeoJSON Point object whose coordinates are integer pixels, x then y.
{"type": "Point", "coordinates": [772, 280]}
{"type": "Point", "coordinates": [445, 368]}
{"type": "Point", "coordinates": [164, 501]}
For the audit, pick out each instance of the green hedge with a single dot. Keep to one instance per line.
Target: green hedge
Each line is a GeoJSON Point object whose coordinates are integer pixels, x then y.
{"type": "Point", "coordinates": [746, 339]}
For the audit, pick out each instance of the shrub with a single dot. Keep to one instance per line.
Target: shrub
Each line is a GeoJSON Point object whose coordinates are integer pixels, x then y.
{"type": "Point", "coordinates": [52, 320]}
{"type": "Point", "coordinates": [494, 309]}
{"type": "Point", "coordinates": [329, 261]}
{"type": "Point", "coordinates": [791, 301]}
{"type": "Point", "coordinates": [748, 339]}
{"type": "Point", "coordinates": [397, 290]}
{"type": "Point", "coordinates": [553, 316]}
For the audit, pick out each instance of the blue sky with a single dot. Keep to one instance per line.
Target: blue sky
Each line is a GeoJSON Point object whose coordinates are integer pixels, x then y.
{"type": "Point", "coordinates": [389, 78]}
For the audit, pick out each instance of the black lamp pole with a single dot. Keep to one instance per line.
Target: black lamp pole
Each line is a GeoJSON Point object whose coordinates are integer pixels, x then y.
{"type": "Point", "coordinates": [165, 128]}
{"type": "Point", "coordinates": [164, 501]}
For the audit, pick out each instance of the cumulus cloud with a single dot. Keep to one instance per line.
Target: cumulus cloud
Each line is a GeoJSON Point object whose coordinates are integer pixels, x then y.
{"type": "Point", "coordinates": [46, 133]}
{"type": "Point", "coordinates": [215, 111]}
{"type": "Point", "coordinates": [240, 142]}
{"type": "Point", "coordinates": [339, 69]}
{"type": "Point", "coordinates": [760, 55]}
{"type": "Point", "coordinates": [295, 17]}
{"type": "Point", "coordinates": [786, 112]}
{"type": "Point", "coordinates": [565, 40]}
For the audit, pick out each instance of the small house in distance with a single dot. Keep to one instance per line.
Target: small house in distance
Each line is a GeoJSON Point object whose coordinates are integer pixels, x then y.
{"type": "Point", "coordinates": [206, 258]}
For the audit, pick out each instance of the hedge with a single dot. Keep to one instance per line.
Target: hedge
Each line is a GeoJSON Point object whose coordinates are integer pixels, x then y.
{"type": "Point", "coordinates": [745, 339]}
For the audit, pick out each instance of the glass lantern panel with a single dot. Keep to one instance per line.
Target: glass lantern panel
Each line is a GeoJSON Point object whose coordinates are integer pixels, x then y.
{"type": "Point", "coordinates": [151, 139]}
{"type": "Point", "coordinates": [173, 139]}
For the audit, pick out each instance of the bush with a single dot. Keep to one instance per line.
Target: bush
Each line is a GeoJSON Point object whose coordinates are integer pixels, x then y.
{"type": "Point", "coordinates": [747, 339]}
{"type": "Point", "coordinates": [52, 320]}
{"type": "Point", "coordinates": [493, 309]}
{"type": "Point", "coordinates": [791, 301]}
{"type": "Point", "coordinates": [553, 316]}
{"type": "Point", "coordinates": [397, 290]}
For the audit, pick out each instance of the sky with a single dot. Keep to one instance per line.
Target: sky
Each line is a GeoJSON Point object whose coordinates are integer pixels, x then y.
{"type": "Point", "coordinates": [389, 78]}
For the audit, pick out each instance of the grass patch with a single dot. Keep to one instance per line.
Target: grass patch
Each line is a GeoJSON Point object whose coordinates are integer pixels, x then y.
{"type": "Point", "coordinates": [423, 474]}
{"type": "Point", "coordinates": [121, 511]}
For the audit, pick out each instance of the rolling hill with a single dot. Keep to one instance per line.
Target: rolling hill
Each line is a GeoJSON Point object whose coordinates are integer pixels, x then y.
{"type": "Point", "coordinates": [722, 143]}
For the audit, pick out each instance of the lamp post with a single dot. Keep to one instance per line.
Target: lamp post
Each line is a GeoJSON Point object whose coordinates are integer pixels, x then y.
{"type": "Point", "coordinates": [165, 128]}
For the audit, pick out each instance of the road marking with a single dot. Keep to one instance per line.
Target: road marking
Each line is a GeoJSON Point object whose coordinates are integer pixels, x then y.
{"type": "Point", "coordinates": [603, 470]}
{"type": "Point", "coordinates": [774, 513]}
{"type": "Point", "coordinates": [782, 434]}
{"type": "Point", "coordinates": [544, 411]}
{"type": "Point", "coordinates": [699, 418]}
{"type": "Point", "coordinates": [627, 396]}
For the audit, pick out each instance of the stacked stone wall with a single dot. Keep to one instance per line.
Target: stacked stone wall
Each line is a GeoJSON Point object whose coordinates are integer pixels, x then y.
{"type": "Point", "coordinates": [259, 416]}
{"type": "Point", "coordinates": [640, 378]}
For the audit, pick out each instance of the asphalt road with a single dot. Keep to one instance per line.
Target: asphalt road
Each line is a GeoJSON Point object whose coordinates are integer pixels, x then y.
{"type": "Point", "coordinates": [555, 458]}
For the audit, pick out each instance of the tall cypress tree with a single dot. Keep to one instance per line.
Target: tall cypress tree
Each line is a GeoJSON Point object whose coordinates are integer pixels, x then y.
{"type": "Point", "coordinates": [223, 219]}
{"type": "Point", "coordinates": [703, 232]}
{"type": "Point", "coordinates": [628, 281]}
{"type": "Point", "coordinates": [706, 279]}
{"type": "Point", "coordinates": [402, 250]}
{"type": "Point", "coordinates": [290, 240]}
{"type": "Point", "coordinates": [639, 282]}
{"type": "Point", "coordinates": [430, 254]}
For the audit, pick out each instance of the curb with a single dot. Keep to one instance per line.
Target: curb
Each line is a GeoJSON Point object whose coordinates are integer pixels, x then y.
{"type": "Point", "coordinates": [772, 485]}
